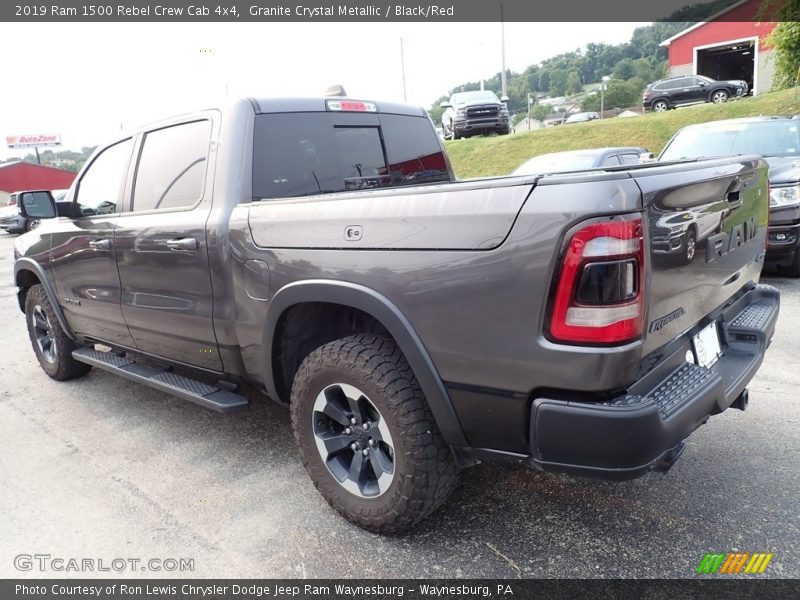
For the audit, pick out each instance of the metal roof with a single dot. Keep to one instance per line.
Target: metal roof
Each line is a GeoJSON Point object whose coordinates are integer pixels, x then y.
{"type": "Point", "coordinates": [713, 17]}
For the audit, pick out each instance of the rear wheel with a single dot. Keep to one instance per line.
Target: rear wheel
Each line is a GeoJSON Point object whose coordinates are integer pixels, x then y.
{"type": "Point", "coordinates": [660, 106]}
{"type": "Point", "coordinates": [719, 96]}
{"type": "Point", "coordinates": [52, 346]}
{"type": "Point", "coordinates": [367, 436]}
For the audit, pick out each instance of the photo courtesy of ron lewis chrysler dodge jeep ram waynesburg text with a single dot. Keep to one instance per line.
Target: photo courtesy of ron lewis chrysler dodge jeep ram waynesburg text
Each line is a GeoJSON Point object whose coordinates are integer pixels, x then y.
{"type": "Point", "coordinates": [322, 251]}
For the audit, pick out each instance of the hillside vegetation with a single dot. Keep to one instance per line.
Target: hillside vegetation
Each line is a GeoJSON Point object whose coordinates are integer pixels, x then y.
{"type": "Point", "coordinates": [499, 155]}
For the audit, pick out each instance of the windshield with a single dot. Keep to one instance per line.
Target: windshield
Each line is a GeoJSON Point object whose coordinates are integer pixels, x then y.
{"type": "Point", "coordinates": [484, 96]}
{"type": "Point", "coordinates": [552, 163]}
{"type": "Point", "coordinates": [768, 138]}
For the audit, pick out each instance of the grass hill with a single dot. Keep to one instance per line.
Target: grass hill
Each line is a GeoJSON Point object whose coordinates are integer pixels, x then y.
{"type": "Point", "coordinates": [499, 155]}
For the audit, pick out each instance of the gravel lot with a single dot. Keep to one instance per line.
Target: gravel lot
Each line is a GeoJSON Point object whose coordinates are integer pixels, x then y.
{"type": "Point", "coordinates": [104, 468]}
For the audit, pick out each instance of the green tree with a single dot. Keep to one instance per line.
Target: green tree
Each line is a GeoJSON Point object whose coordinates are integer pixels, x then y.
{"type": "Point", "coordinates": [558, 82]}
{"type": "Point", "coordinates": [785, 39]}
{"type": "Point", "coordinates": [618, 94]}
{"type": "Point", "coordinates": [574, 85]}
{"type": "Point", "coordinates": [625, 69]}
{"type": "Point", "coordinates": [540, 112]}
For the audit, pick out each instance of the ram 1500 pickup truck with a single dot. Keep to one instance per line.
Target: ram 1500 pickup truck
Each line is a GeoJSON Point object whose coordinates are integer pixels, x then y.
{"type": "Point", "coordinates": [321, 251]}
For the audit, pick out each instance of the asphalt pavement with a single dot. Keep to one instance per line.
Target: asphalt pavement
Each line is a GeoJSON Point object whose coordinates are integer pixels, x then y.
{"type": "Point", "coordinates": [101, 468]}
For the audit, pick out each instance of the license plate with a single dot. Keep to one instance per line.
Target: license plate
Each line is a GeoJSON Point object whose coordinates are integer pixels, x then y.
{"type": "Point", "coordinates": [706, 345]}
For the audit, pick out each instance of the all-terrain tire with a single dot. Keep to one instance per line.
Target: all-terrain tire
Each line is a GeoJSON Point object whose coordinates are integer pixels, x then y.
{"type": "Point", "coordinates": [59, 363]}
{"type": "Point", "coordinates": [425, 472]}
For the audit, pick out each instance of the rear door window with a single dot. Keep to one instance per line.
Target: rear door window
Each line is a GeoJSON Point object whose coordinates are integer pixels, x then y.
{"type": "Point", "coordinates": [302, 154]}
{"type": "Point", "coordinates": [172, 167]}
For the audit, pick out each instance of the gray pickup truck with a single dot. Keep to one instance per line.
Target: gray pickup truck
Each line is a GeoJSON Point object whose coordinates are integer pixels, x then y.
{"type": "Point", "coordinates": [321, 251]}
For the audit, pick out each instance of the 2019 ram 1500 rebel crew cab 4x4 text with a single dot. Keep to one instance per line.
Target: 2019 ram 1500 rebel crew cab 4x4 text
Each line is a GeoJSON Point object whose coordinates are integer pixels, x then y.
{"type": "Point", "coordinates": [321, 251]}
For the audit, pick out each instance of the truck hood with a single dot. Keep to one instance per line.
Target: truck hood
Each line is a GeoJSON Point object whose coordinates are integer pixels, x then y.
{"type": "Point", "coordinates": [476, 103]}
{"type": "Point", "coordinates": [783, 169]}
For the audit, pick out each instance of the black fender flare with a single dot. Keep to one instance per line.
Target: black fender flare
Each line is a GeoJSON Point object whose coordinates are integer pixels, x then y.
{"type": "Point", "coordinates": [27, 264]}
{"type": "Point", "coordinates": [385, 312]}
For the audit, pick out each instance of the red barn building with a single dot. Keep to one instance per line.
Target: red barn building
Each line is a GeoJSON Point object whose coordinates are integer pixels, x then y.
{"type": "Point", "coordinates": [18, 176]}
{"type": "Point", "coordinates": [730, 45]}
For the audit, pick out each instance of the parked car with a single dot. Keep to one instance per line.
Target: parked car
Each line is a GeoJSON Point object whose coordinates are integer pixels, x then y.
{"type": "Point", "coordinates": [777, 139]}
{"type": "Point", "coordinates": [12, 220]}
{"type": "Point", "coordinates": [575, 160]}
{"type": "Point", "coordinates": [320, 250]}
{"type": "Point", "coordinates": [473, 113]}
{"type": "Point", "coordinates": [693, 89]}
{"type": "Point", "coordinates": [581, 117]}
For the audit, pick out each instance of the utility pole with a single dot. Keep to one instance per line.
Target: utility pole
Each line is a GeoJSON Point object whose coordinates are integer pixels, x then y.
{"type": "Point", "coordinates": [602, 85]}
{"type": "Point", "coordinates": [529, 111]}
{"type": "Point", "coordinates": [603, 80]}
{"type": "Point", "coordinates": [403, 68]}
{"type": "Point", "coordinates": [504, 91]}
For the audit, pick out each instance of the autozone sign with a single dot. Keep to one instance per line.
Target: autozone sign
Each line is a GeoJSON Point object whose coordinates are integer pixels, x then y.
{"type": "Point", "coordinates": [29, 141]}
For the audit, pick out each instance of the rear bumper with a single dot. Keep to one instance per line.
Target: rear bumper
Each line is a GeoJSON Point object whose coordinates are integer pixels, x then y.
{"type": "Point", "coordinates": [629, 435]}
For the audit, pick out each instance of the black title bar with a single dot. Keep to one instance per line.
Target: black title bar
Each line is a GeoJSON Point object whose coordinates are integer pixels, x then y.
{"type": "Point", "coordinates": [277, 11]}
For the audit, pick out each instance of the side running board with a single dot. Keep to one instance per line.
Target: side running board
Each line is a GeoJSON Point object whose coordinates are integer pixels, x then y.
{"type": "Point", "coordinates": [163, 379]}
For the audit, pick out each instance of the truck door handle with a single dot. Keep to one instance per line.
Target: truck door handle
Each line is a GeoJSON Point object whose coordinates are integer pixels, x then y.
{"type": "Point", "coordinates": [100, 244]}
{"type": "Point", "coordinates": [182, 244]}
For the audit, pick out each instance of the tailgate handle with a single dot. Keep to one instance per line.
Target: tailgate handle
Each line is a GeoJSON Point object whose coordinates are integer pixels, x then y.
{"type": "Point", "coordinates": [734, 198]}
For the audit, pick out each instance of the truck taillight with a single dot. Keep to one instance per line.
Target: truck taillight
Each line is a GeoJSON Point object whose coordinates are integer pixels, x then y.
{"type": "Point", "coordinates": [599, 295]}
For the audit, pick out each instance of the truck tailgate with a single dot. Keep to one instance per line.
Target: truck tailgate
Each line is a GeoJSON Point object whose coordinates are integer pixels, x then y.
{"type": "Point", "coordinates": [705, 226]}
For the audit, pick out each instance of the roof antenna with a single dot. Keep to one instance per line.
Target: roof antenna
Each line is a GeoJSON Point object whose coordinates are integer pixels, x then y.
{"type": "Point", "coordinates": [335, 90]}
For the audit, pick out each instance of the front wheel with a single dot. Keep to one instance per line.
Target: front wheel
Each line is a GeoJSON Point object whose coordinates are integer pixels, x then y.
{"type": "Point", "coordinates": [449, 133]}
{"type": "Point", "coordinates": [719, 96]}
{"type": "Point", "coordinates": [31, 224]}
{"type": "Point", "coordinates": [689, 246]}
{"type": "Point", "coordinates": [367, 436]}
{"type": "Point", "coordinates": [52, 346]}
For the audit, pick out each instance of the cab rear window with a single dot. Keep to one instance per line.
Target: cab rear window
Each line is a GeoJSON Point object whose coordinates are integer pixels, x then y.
{"type": "Point", "coordinates": [303, 154]}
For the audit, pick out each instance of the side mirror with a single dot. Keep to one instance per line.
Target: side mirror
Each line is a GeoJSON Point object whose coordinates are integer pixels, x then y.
{"type": "Point", "coordinates": [446, 105]}
{"type": "Point", "coordinates": [37, 205]}
{"type": "Point", "coordinates": [703, 83]}
{"type": "Point", "coordinates": [504, 99]}
{"type": "Point", "coordinates": [646, 157]}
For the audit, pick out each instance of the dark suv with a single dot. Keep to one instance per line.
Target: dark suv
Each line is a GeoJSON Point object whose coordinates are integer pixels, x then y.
{"type": "Point", "coordinates": [678, 91]}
